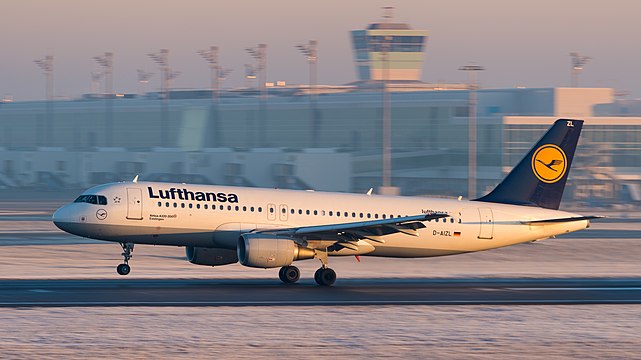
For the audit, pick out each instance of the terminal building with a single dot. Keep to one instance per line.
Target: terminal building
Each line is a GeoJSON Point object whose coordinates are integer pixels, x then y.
{"type": "Point", "coordinates": [429, 134]}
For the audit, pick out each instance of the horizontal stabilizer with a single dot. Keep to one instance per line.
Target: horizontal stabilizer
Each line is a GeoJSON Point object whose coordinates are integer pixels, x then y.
{"type": "Point", "coordinates": [560, 220]}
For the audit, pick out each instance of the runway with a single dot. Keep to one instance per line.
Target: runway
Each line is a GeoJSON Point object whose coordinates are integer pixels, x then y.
{"type": "Point", "coordinates": [266, 292]}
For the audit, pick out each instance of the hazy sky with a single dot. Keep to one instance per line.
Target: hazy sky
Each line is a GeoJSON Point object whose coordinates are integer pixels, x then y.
{"type": "Point", "coordinates": [521, 43]}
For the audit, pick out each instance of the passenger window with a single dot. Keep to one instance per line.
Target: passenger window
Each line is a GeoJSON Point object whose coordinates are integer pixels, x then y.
{"type": "Point", "coordinates": [353, 215]}
{"type": "Point", "coordinates": [228, 207]}
{"type": "Point", "coordinates": [182, 205]}
{"type": "Point", "coordinates": [175, 205]}
{"type": "Point", "coordinates": [284, 210]}
{"type": "Point", "coordinates": [271, 210]}
{"type": "Point", "coordinates": [159, 204]}
{"type": "Point", "coordinates": [167, 204]}
{"type": "Point", "coordinates": [300, 212]}
{"type": "Point", "coordinates": [338, 213]}
{"type": "Point", "coordinates": [360, 215]}
{"type": "Point", "coordinates": [197, 206]}
{"type": "Point", "coordinates": [307, 212]}
{"type": "Point", "coordinates": [222, 207]}
{"type": "Point", "coordinates": [260, 209]}
{"type": "Point", "coordinates": [251, 209]}
{"type": "Point", "coordinates": [206, 206]}
{"type": "Point", "coordinates": [292, 211]}
{"type": "Point", "coordinates": [346, 214]}
{"type": "Point", "coordinates": [331, 213]}
{"type": "Point", "coordinates": [191, 206]}
{"type": "Point", "coordinates": [375, 216]}
{"type": "Point", "coordinates": [384, 216]}
{"type": "Point", "coordinates": [236, 208]}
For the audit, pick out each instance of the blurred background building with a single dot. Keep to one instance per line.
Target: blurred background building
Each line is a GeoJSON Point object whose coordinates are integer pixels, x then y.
{"type": "Point", "coordinates": [335, 146]}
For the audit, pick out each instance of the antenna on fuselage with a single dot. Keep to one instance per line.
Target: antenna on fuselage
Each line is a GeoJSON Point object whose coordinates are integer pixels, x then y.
{"type": "Point", "coordinates": [136, 179]}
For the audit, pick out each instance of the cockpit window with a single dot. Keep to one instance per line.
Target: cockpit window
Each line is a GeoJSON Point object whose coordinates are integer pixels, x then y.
{"type": "Point", "coordinates": [92, 199]}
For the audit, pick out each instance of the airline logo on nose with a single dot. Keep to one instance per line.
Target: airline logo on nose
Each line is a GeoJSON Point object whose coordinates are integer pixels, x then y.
{"type": "Point", "coordinates": [549, 163]}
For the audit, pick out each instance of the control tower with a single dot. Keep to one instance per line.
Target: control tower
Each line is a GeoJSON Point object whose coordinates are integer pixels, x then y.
{"type": "Point", "coordinates": [389, 51]}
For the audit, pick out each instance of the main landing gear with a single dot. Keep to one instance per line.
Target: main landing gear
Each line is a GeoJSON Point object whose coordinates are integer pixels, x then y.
{"type": "Point", "coordinates": [289, 274]}
{"type": "Point", "coordinates": [127, 249]}
{"type": "Point", "coordinates": [323, 276]}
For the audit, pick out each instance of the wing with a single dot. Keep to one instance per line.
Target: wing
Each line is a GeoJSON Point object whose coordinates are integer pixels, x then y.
{"type": "Point", "coordinates": [346, 234]}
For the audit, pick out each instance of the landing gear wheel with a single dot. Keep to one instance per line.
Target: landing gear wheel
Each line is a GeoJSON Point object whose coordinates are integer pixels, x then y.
{"type": "Point", "coordinates": [325, 277]}
{"type": "Point", "coordinates": [289, 274]}
{"type": "Point", "coordinates": [123, 269]}
{"type": "Point", "coordinates": [127, 249]}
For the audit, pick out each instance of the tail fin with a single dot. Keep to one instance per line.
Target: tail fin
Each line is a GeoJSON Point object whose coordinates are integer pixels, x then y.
{"type": "Point", "coordinates": [539, 178]}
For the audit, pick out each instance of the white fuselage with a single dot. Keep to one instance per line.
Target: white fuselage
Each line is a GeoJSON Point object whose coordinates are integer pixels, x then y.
{"type": "Point", "coordinates": [215, 216]}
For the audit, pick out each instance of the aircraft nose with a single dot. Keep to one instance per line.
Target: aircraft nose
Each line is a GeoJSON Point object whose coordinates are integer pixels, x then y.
{"type": "Point", "coordinates": [63, 218]}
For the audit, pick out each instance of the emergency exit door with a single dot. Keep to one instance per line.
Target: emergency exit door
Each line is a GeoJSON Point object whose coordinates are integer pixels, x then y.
{"type": "Point", "coordinates": [134, 204]}
{"type": "Point", "coordinates": [486, 230]}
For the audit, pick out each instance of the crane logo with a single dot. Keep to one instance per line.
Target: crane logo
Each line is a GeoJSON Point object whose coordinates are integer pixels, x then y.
{"type": "Point", "coordinates": [549, 163]}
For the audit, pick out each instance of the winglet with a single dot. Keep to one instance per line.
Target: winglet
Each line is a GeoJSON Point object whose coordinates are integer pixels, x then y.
{"type": "Point", "coordinates": [135, 179]}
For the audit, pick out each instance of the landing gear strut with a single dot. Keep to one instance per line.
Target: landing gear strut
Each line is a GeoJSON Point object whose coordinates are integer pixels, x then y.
{"type": "Point", "coordinates": [324, 276]}
{"type": "Point", "coordinates": [127, 249]}
{"type": "Point", "coordinates": [289, 274]}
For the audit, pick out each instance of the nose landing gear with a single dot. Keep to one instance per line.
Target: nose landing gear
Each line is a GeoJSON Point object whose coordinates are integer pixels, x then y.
{"type": "Point", "coordinates": [127, 249]}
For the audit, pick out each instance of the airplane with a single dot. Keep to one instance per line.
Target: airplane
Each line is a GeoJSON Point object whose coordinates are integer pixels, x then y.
{"type": "Point", "coordinates": [271, 228]}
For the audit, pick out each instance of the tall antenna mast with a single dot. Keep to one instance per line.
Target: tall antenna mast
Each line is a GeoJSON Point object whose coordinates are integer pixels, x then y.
{"type": "Point", "coordinates": [388, 13]}
{"type": "Point", "coordinates": [578, 62]}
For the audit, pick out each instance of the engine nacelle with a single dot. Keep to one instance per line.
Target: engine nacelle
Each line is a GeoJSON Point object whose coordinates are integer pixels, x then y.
{"type": "Point", "coordinates": [267, 251]}
{"type": "Point", "coordinates": [210, 256]}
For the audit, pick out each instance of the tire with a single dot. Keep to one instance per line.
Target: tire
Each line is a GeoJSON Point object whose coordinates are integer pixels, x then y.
{"type": "Point", "coordinates": [325, 277]}
{"type": "Point", "coordinates": [123, 269]}
{"type": "Point", "coordinates": [281, 274]}
{"type": "Point", "coordinates": [291, 274]}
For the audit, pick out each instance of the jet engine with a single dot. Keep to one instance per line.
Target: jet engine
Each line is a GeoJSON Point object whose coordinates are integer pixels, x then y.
{"type": "Point", "coordinates": [210, 256]}
{"type": "Point", "coordinates": [266, 251]}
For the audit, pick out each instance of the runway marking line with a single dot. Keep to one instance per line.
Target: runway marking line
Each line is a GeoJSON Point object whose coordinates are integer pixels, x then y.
{"type": "Point", "coordinates": [578, 289]}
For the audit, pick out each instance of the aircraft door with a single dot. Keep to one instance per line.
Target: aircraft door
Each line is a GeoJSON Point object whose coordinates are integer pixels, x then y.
{"type": "Point", "coordinates": [271, 212]}
{"type": "Point", "coordinates": [134, 204]}
{"type": "Point", "coordinates": [282, 212]}
{"type": "Point", "coordinates": [486, 230]}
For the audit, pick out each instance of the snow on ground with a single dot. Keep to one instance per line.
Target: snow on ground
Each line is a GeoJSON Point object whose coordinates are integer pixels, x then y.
{"type": "Point", "coordinates": [470, 332]}
{"type": "Point", "coordinates": [394, 332]}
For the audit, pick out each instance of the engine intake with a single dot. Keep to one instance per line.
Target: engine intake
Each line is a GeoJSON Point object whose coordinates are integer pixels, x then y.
{"type": "Point", "coordinates": [210, 256]}
{"type": "Point", "coordinates": [267, 251]}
